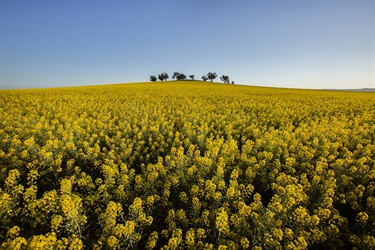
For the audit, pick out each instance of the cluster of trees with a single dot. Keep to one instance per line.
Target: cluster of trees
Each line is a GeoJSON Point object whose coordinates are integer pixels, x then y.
{"type": "Point", "coordinates": [124, 167]}
{"type": "Point", "coordinates": [180, 76]}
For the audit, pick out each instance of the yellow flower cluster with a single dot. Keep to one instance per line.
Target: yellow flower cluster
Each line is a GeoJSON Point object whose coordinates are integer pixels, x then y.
{"type": "Point", "coordinates": [186, 165]}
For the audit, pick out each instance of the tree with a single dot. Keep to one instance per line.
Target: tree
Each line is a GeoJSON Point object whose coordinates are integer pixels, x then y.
{"type": "Point", "coordinates": [175, 75]}
{"type": "Point", "coordinates": [163, 76]}
{"type": "Point", "coordinates": [225, 79]}
{"type": "Point", "coordinates": [192, 77]}
{"type": "Point", "coordinates": [181, 76]}
{"type": "Point", "coordinates": [211, 76]}
{"type": "Point", "coordinates": [153, 78]}
{"type": "Point", "coordinates": [204, 78]}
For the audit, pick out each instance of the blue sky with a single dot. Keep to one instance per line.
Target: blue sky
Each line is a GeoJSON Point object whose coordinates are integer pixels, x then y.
{"type": "Point", "coordinates": [285, 43]}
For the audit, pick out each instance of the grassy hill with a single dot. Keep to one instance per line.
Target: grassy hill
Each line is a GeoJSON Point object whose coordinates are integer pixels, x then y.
{"type": "Point", "coordinates": [186, 164]}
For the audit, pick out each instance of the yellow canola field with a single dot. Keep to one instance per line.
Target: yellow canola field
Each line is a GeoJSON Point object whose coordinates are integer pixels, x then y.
{"type": "Point", "coordinates": [186, 165]}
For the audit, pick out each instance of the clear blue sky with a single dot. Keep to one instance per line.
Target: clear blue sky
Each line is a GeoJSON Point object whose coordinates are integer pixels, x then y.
{"type": "Point", "coordinates": [297, 43]}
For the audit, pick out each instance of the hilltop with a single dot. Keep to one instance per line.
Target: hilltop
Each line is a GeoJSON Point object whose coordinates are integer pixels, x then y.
{"type": "Point", "coordinates": [193, 83]}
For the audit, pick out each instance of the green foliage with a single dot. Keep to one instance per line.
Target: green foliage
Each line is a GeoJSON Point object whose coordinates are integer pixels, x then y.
{"type": "Point", "coordinates": [181, 77]}
{"type": "Point", "coordinates": [225, 79]}
{"type": "Point", "coordinates": [211, 76]}
{"type": "Point", "coordinates": [163, 76]}
{"type": "Point", "coordinates": [153, 78]}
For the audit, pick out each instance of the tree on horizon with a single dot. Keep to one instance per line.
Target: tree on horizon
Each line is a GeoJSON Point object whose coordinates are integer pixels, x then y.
{"type": "Point", "coordinates": [163, 76]}
{"type": "Point", "coordinates": [225, 79]}
{"type": "Point", "coordinates": [175, 75]}
{"type": "Point", "coordinates": [153, 78]}
{"type": "Point", "coordinates": [181, 76]}
{"type": "Point", "coordinates": [211, 75]}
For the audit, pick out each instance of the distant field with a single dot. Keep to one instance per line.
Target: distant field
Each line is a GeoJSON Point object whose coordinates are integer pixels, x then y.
{"type": "Point", "coordinates": [186, 165]}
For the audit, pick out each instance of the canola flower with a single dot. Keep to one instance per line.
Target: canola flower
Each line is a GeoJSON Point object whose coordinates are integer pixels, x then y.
{"type": "Point", "coordinates": [187, 165]}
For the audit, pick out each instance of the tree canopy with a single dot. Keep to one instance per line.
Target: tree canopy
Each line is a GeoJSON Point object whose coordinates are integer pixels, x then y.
{"type": "Point", "coordinates": [225, 79]}
{"type": "Point", "coordinates": [211, 75]}
{"type": "Point", "coordinates": [181, 76]}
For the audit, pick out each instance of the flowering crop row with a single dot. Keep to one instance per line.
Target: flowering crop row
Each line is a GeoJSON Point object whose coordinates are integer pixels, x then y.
{"type": "Point", "coordinates": [186, 165]}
